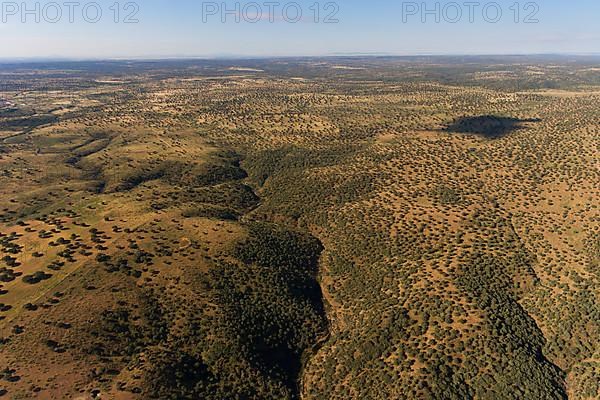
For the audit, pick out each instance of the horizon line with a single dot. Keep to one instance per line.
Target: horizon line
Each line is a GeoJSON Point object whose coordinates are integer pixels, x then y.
{"type": "Point", "coordinates": [299, 56]}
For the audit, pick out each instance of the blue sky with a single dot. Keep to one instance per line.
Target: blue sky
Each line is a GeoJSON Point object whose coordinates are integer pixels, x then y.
{"type": "Point", "coordinates": [170, 28]}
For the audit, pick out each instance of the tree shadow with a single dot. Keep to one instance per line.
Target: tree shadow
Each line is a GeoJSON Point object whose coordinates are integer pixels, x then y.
{"type": "Point", "coordinates": [488, 126]}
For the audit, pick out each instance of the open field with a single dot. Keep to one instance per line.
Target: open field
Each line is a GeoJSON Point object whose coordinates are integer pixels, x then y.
{"type": "Point", "coordinates": [348, 228]}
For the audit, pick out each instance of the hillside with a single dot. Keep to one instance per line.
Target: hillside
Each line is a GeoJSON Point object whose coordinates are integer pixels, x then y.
{"type": "Point", "coordinates": [283, 229]}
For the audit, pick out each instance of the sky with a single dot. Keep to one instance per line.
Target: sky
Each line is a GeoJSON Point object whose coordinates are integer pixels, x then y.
{"type": "Point", "coordinates": [193, 28]}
